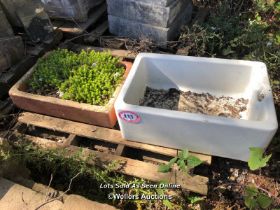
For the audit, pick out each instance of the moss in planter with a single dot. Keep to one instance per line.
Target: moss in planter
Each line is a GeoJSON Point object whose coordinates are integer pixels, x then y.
{"type": "Point", "coordinates": [88, 77]}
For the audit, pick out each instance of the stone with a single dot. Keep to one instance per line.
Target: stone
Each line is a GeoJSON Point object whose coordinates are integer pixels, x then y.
{"type": "Point", "coordinates": [10, 10]}
{"type": "Point", "coordinates": [5, 27]}
{"type": "Point", "coordinates": [30, 15]}
{"type": "Point", "coordinates": [15, 196]}
{"type": "Point", "coordinates": [136, 30]}
{"type": "Point", "coordinates": [149, 13]}
{"type": "Point", "coordinates": [35, 20]}
{"type": "Point", "coordinates": [70, 9]}
{"type": "Point", "coordinates": [11, 52]}
{"type": "Point", "coordinates": [76, 202]}
{"type": "Point", "coordinates": [163, 3]}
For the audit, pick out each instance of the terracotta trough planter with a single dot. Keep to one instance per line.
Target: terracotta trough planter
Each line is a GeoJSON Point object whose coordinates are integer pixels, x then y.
{"type": "Point", "coordinates": [91, 114]}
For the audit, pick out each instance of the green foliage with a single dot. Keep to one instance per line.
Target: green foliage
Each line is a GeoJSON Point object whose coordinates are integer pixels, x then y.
{"type": "Point", "coordinates": [256, 159]}
{"type": "Point", "coordinates": [166, 203]}
{"type": "Point", "coordinates": [184, 161]}
{"type": "Point", "coordinates": [195, 199]}
{"type": "Point", "coordinates": [263, 5]}
{"type": "Point", "coordinates": [88, 77]}
{"type": "Point", "coordinates": [44, 162]}
{"type": "Point", "coordinates": [235, 32]}
{"type": "Point", "coordinates": [254, 199]}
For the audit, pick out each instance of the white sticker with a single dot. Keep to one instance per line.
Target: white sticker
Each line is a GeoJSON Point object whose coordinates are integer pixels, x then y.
{"type": "Point", "coordinates": [130, 117]}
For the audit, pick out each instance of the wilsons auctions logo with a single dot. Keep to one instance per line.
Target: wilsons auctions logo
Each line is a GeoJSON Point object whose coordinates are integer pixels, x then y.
{"type": "Point", "coordinates": [130, 117]}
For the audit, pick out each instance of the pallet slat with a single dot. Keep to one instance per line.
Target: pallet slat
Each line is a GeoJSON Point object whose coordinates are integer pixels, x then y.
{"type": "Point", "coordinates": [131, 167]}
{"type": "Point", "coordinates": [100, 133]}
{"type": "Point", "coordinates": [120, 149]}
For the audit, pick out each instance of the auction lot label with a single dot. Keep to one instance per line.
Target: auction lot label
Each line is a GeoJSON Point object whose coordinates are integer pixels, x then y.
{"type": "Point", "coordinates": [130, 117]}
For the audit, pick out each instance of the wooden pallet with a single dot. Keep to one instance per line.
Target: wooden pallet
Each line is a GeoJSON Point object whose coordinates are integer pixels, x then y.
{"type": "Point", "coordinates": [106, 145]}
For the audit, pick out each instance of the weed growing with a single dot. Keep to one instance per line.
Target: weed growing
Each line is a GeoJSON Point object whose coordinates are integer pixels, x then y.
{"type": "Point", "coordinates": [45, 163]}
{"type": "Point", "coordinates": [239, 30]}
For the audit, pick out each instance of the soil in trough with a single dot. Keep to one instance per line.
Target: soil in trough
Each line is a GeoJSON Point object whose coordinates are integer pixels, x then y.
{"type": "Point", "coordinates": [203, 103]}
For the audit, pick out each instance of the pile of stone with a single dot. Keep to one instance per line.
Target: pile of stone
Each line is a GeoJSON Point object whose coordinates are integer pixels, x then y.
{"type": "Point", "coordinates": [11, 52]}
{"type": "Point", "coordinates": [11, 47]}
{"type": "Point", "coordinates": [30, 16]}
{"type": "Point", "coordinates": [5, 27]}
{"type": "Point", "coordinates": [156, 20]}
{"type": "Point", "coordinates": [70, 9]}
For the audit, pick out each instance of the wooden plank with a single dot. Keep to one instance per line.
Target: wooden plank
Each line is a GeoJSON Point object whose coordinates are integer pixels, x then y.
{"type": "Point", "coordinates": [154, 160]}
{"type": "Point", "coordinates": [148, 171]}
{"type": "Point", "coordinates": [104, 149]}
{"type": "Point", "coordinates": [76, 28]}
{"type": "Point", "coordinates": [135, 168]}
{"type": "Point", "coordinates": [100, 30]}
{"type": "Point", "coordinates": [41, 142]}
{"type": "Point", "coordinates": [120, 149]}
{"type": "Point", "coordinates": [94, 132]}
{"type": "Point", "coordinates": [71, 140]}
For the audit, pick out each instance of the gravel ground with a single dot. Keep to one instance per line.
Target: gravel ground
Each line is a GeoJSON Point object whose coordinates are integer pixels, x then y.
{"type": "Point", "coordinates": [188, 101]}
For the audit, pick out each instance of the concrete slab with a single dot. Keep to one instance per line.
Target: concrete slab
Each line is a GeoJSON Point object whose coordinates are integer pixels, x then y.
{"type": "Point", "coordinates": [17, 197]}
{"type": "Point", "coordinates": [76, 202]}
{"type": "Point", "coordinates": [133, 29]}
{"type": "Point", "coordinates": [148, 13]}
{"type": "Point", "coordinates": [156, 2]}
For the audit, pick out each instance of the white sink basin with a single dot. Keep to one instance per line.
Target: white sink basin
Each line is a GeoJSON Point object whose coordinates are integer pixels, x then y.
{"type": "Point", "coordinates": [214, 135]}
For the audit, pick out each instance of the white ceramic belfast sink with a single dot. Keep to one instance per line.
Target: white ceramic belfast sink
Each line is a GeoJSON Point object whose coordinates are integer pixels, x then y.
{"type": "Point", "coordinates": [214, 135]}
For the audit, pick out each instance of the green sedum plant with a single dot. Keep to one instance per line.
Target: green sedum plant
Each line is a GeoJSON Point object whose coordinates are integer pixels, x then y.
{"type": "Point", "coordinates": [88, 77]}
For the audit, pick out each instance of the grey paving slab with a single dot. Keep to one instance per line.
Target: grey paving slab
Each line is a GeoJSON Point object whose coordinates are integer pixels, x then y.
{"type": "Point", "coordinates": [148, 13]}
{"type": "Point", "coordinates": [133, 29]}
